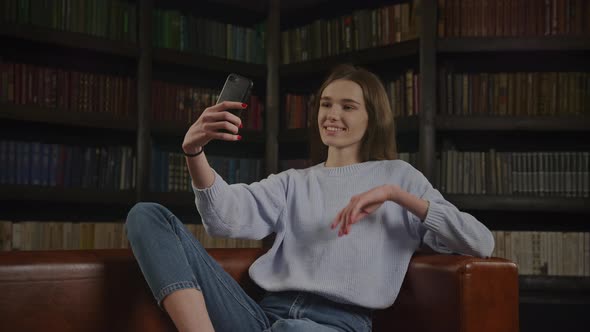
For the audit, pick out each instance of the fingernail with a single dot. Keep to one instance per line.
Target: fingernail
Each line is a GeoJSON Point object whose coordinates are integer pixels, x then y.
{"type": "Point", "coordinates": [244, 105]}
{"type": "Point", "coordinates": [239, 137]}
{"type": "Point", "coordinates": [241, 125]}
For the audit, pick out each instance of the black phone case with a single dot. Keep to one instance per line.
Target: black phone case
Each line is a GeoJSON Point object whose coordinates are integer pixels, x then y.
{"type": "Point", "coordinates": [236, 88]}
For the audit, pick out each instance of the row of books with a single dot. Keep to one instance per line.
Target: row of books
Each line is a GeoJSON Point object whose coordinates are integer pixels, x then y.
{"type": "Point", "coordinates": [298, 110]}
{"type": "Point", "coordinates": [176, 30]}
{"type": "Point", "coordinates": [113, 19]}
{"type": "Point", "coordinates": [545, 253]}
{"type": "Point", "coordinates": [502, 18]}
{"type": "Point", "coordinates": [69, 166]}
{"type": "Point", "coordinates": [56, 88]}
{"type": "Point", "coordinates": [530, 93]}
{"type": "Point", "coordinates": [43, 86]}
{"type": "Point", "coordinates": [403, 94]}
{"type": "Point", "coordinates": [169, 171]}
{"type": "Point", "coordinates": [65, 235]}
{"type": "Point", "coordinates": [184, 104]}
{"type": "Point", "coordinates": [359, 30]}
{"type": "Point", "coordinates": [520, 93]}
{"type": "Point", "coordinates": [564, 174]}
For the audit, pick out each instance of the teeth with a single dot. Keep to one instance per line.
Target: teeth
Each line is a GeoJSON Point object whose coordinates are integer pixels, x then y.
{"type": "Point", "coordinates": [334, 129]}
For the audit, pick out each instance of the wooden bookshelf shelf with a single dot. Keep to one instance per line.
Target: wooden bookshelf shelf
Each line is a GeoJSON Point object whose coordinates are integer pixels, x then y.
{"type": "Point", "coordinates": [555, 290]}
{"type": "Point", "coordinates": [299, 135]}
{"type": "Point", "coordinates": [65, 195]}
{"type": "Point", "coordinates": [512, 123]}
{"type": "Point", "coordinates": [554, 283]}
{"type": "Point", "coordinates": [69, 118]}
{"type": "Point", "coordinates": [519, 203]}
{"type": "Point", "coordinates": [208, 63]}
{"type": "Point", "coordinates": [171, 128]}
{"type": "Point", "coordinates": [510, 44]}
{"type": "Point", "coordinates": [361, 57]}
{"type": "Point", "coordinates": [185, 199]}
{"type": "Point", "coordinates": [69, 39]}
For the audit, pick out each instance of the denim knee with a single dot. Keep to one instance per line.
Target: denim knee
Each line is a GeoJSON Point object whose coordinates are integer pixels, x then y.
{"type": "Point", "coordinates": [140, 215]}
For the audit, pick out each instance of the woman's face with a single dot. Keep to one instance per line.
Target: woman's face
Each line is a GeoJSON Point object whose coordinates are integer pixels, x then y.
{"type": "Point", "coordinates": [342, 117]}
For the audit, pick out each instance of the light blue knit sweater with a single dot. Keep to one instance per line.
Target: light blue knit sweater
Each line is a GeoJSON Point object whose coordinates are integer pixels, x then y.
{"type": "Point", "coordinates": [365, 267]}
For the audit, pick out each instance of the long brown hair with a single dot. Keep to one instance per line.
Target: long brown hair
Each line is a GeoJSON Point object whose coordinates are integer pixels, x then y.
{"type": "Point", "coordinates": [379, 140]}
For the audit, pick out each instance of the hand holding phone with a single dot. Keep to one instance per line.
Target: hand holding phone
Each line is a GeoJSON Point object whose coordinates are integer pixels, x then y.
{"type": "Point", "coordinates": [236, 88]}
{"type": "Point", "coordinates": [214, 122]}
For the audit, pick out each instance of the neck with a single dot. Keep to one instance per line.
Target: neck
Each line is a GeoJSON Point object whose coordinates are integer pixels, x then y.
{"type": "Point", "coordinates": [339, 158]}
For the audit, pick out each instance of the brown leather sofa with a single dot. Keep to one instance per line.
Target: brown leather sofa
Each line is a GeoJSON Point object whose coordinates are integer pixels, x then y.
{"type": "Point", "coordinates": [103, 290]}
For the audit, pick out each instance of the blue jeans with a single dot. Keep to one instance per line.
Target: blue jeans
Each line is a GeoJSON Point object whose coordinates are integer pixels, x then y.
{"type": "Point", "coordinates": [171, 259]}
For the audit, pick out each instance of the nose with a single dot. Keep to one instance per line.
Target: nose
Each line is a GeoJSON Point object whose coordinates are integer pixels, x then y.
{"type": "Point", "coordinates": [333, 112]}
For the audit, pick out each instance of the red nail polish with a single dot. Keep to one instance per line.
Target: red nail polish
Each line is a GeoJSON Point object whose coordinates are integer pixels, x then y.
{"type": "Point", "coordinates": [244, 105]}
{"type": "Point", "coordinates": [241, 125]}
{"type": "Point", "coordinates": [239, 137]}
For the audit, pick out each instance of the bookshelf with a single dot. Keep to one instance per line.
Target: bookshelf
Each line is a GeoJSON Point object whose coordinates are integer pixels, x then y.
{"type": "Point", "coordinates": [525, 37]}
{"type": "Point", "coordinates": [517, 44]}
{"type": "Point", "coordinates": [98, 50]}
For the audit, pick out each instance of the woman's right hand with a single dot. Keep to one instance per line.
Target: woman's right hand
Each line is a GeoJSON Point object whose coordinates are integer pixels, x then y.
{"type": "Point", "coordinates": [211, 125]}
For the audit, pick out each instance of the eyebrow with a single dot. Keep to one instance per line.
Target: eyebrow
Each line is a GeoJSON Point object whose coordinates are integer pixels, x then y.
{"type": "Point", "coordinates": [346, 100]}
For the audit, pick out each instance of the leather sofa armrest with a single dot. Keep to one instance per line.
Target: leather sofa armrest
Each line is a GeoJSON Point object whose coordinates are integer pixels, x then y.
{"type": "Point", "coordinates": [91, 290]}
{"type": "Point", "coordinates": [456, 294]}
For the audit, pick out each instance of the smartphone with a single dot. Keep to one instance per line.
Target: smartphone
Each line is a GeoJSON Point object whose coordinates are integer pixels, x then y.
{"type": "Point", "coordinates": [236, 88]}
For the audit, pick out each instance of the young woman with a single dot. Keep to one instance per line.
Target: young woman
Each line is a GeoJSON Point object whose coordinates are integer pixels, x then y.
{"type": "Point", "coordinates": [345, 229]}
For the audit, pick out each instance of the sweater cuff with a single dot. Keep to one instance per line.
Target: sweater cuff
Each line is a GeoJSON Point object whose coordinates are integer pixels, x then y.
{"type": "Point", "coordinates": [435, 217]}
{"type": "Point", "coordinates": [210, 193]}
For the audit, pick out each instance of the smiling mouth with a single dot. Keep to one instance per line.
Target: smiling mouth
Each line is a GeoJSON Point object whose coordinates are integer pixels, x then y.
{"type": "Point", "coordinates": [334, 129]}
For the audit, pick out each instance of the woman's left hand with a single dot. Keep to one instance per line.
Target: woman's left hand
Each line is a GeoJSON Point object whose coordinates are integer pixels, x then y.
{"type": "Point", "coordinates": [362, 205]}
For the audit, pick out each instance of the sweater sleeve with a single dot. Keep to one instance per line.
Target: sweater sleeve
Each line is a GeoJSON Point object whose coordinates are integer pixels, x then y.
{"type": "Point", "coordinates": [242, 210]}
{"type": "Point", "coordinates": [448, 230]}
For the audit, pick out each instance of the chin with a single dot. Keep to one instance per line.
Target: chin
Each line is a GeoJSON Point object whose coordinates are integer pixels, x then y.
{"type": "Point", "coordinates": [328, 141]}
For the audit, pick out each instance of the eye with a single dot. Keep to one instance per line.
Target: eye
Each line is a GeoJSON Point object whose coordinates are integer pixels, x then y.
{"type": "Point", "coordinates": [325, 104]}
{"type": "Point", "coordinates": [348, 107]}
